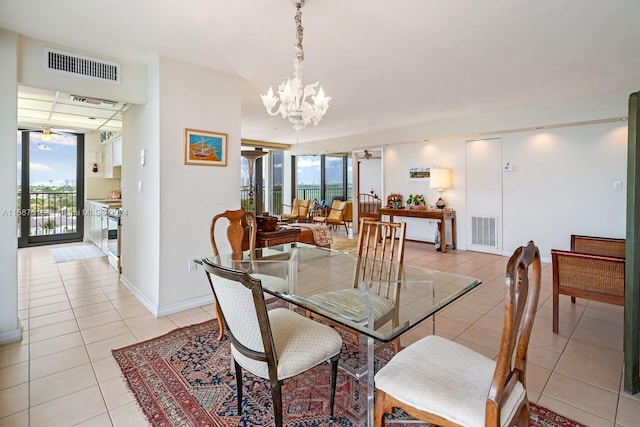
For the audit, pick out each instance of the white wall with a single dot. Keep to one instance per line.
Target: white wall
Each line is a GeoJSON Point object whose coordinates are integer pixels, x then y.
{"type": "Point", "coordinates": [563, 183]}
{"type": "Point", "coordinates": [443, 153]}
{"type": "Point", "coordinates": [563, 176]}
{"type": "Point", "coordinates": [9, 323]}
{"type": "Point", "coordinates": [197, 98]}
{"type": "Point", "coordinates": [168, 222]}
{"type": "Point", "coordinates": [140, 232]}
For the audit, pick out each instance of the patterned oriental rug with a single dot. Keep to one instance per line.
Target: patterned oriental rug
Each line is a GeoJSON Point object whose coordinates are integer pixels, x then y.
{"type": "Point", "coordinates": [185, 378]}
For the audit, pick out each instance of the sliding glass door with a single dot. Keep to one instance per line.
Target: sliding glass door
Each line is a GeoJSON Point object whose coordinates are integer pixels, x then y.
{"type": "Point", "coordinates": [327, 177]}
{"type": "Point", "coordinates": [50, 188]}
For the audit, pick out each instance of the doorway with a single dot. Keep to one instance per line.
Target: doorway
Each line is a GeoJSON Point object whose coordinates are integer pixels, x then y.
{"type": "Point", "coordinates": [50, 189]}
{"type": "Point", "coordinates": [484, 195]}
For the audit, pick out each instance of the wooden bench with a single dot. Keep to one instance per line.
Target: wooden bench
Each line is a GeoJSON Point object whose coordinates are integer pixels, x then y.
{"type": "Point", "coordinates": [593, 269]}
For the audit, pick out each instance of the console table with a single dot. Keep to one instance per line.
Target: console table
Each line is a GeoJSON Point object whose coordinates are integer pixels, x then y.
{"type": "Point", "coordinates": [277, 237]}
{"type": "Point", "coordinates": [440, 214]}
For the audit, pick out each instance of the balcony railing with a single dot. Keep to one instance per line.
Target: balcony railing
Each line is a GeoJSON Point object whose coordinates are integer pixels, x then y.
{"type": "Point", "coordinates": [50, 212]}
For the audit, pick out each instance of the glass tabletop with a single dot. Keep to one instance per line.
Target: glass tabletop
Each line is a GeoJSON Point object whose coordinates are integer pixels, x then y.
{"type": "Point", "coordinates": [350, 290]}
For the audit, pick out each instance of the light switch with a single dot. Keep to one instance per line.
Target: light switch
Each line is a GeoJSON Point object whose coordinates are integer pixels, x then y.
{"type": "Point", "coordinates": [139, 186]}
{"type": "Point", "coordinates": [142, 157]}
{"type": "Point", "coordinates": [617, 185]}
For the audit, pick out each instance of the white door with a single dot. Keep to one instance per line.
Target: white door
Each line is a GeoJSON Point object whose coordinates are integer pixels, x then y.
{"type": "Point", "coordinates": [484, 195]}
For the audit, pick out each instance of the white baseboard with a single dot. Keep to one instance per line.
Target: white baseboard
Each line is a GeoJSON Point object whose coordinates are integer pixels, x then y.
{"type": "Point", "coordinates": [11, 336]}
{"type": "Point", "coordinates": [159, 311]}
{"type": "Point", "coordinates": [146, 302]}
{"type": "Point", "coordinates": [185, 305]}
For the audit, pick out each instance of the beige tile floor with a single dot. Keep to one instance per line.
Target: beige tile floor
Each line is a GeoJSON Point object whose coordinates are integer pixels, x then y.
{"type": "Point", "coordinates": [73, 313]}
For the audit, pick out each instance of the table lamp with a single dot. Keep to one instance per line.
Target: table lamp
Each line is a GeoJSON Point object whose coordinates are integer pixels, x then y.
{"type": "Point", "coordinates": [441, 180]}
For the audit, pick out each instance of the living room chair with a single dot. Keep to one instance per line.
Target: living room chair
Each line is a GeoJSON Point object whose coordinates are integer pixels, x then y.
{"type": "Point", "coordinates": [299, 211]}
{"type": "Point", "coordinates": [335, 217]}
{"type": "Point", "coordinates": [593, 269]}
{"type": "Point", "coordinates": [447, 384]}
{"type": "Point", "coordinates": [275, 344]}
{"type": "Point", "coordinates": [380, 257]}
{"type": "Point", "coordinates": [241, 235]}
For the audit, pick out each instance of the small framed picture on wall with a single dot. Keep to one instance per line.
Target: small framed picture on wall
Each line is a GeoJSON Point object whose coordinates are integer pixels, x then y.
{"type": "Point", "coordinates": [419, 173]}
{"type": "Point", "coordinates": [205, 148]}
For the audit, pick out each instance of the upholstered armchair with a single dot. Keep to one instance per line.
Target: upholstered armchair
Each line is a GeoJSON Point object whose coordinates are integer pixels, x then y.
{"type": "Point", "coordinates": [299, 210]}
{"type": "Point", "coordinates": [335, 215]}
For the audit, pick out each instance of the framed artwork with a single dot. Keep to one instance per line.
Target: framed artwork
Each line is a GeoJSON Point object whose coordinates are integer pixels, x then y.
{"type": "Point", "coordinates": [422, 173]}
{"type": "Point", "coordinates": [205, 148]}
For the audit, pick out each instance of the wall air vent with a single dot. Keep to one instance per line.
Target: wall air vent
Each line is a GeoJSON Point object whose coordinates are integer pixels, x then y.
{"type": "Point", "coordinates": [79, 65]}
{"type": "Point", "coordinates": [484, 231]}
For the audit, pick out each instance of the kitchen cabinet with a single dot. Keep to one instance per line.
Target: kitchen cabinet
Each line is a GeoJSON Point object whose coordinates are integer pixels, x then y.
{"type": "Point", "coordinates": [96, 221]}
{"type": "Point", "coordinates": [112, 157]}
{"type": "Point", "coordinates": [97, 230]}
{"type": "Point", "coordinates": [117, 151]}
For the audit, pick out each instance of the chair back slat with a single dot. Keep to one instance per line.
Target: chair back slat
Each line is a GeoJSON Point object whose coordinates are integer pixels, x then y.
{"type": "Point", "coordinates": [380, 252]}
{"type": "Point", "coordinates": [241, 232]}
{"type": "Point", "coordinates": [522, 291]}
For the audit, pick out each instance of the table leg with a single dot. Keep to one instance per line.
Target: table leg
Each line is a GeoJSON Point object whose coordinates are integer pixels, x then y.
{"type": "Point", "coordinates": [443, 235]}
{"type": "Point", "coordinates": [453, 232]}
{"type": "Point", "coordinates": [370, 384]}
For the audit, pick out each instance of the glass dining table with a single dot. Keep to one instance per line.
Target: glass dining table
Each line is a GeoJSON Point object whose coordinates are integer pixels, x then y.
{"type": "Point", "coordinates": [310, 270]}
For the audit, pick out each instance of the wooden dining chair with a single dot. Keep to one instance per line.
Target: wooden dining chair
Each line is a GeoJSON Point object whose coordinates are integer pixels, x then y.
{"type": "Point", "coordinates": [275, 344]}
{"type": "Point", "coordinates": [447, 384]}
{"type": "Point", "coordinates": [380, 256]}
{"type": "Point", "coordinates": [241, 235]}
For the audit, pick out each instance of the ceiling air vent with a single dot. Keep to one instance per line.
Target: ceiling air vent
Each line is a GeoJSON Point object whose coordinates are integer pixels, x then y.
{"type": "Point", "coordinates": [79, 65]}
{"type": "Point", "coordinates": [93, 101]}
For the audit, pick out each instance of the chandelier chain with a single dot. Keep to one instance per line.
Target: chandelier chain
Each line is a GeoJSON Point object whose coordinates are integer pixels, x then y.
{"type": "Point", "coordinates": [299, 34]}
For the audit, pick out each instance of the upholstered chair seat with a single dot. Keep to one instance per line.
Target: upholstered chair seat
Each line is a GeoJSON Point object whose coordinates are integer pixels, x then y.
{"type": "Point", "coordinates": [293, 336]}
{"type": "Point", "coordinates": [350, 303]}
{"type": "Point", "coordinates": [447, 379]}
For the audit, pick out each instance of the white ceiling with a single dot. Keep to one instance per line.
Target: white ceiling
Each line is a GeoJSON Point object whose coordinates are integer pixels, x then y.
{"type": "Point", "coordinates": [39, 108]}
{"type": "Point", "coordinates": [385, 63]}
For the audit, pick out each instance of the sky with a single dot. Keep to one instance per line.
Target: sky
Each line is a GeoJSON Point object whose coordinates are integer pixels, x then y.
{"type": "Point", "coordinates": [51, 162]}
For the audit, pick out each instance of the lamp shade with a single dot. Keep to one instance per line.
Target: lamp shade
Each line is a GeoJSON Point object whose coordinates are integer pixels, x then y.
{"type": "Point", "coordinates": [440, 178]}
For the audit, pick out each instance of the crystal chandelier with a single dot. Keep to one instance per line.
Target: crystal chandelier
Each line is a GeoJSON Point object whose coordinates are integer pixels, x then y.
{"type": "Point", "coordinates": [299, 103]}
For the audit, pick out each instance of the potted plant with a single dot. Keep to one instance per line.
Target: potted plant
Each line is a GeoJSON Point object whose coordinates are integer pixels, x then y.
{"type": "Point", "coordinates": [416, 201]}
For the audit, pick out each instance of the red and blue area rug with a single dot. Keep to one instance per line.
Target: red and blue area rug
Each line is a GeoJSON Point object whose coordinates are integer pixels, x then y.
{"type": "Point", "coordinates": [185, 378]}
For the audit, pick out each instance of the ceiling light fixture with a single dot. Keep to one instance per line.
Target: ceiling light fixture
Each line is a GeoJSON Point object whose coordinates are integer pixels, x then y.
{"type": "Point", "coordinates": [46, 134]}
{"type": "Point", "coordinates": [299, 103]}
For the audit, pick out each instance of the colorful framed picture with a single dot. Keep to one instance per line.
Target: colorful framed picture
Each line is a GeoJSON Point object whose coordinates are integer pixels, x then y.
{"type": "Point", "coordinates": [205, 148]}
{"type": "Point", "coordinates": [422, 173]}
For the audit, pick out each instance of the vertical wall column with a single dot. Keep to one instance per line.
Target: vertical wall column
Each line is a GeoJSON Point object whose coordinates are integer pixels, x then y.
{"type": "Point", "coordinates": [9, 323]}
{"type": "Point", "coordinates": [632, 264]}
